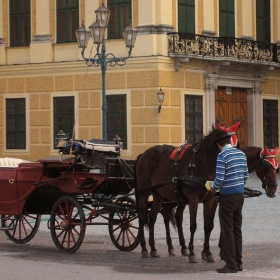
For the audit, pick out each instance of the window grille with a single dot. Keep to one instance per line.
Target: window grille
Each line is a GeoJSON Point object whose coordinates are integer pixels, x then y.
{"type": "Point", "coordinates": [67, 20]}
{"type": "Point", "coordinates": [120, 17]}
{"type": "Point", "coordinates": [63, 115]}
{"type": "Point", "coordinates": [15, 123]}
{"type": "Point", "coordinates": [270, 123]}
{"type": "Point", "coordinates": [19, 23]}
{"type": "Point", "coordinates": [117, 117]}
{"type": "Point", "coordinates": [193, 118]}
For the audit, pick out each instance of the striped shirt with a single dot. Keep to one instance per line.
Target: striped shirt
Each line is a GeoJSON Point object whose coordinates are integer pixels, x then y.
{"type": "Point", "coordinates": [231, 171]}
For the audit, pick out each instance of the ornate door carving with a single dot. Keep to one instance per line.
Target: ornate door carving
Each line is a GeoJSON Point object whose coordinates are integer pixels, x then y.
{"type": "Point", "coordinates": [230, 107]}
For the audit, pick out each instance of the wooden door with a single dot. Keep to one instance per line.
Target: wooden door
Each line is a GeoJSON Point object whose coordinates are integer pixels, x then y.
{"type": "Point", "coordinates": [230, 107]}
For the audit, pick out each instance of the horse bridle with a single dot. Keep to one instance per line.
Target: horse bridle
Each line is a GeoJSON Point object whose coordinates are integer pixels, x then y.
{"type": "Point", "coordinates": [266, 184]}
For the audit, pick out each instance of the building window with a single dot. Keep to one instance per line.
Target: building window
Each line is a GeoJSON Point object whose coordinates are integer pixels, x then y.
{"type": "Point", "coordinates": [263, 20]}
{"type": "Point", "coordinates": [186, 16]}
{"type": "Point", "coordinates": [193, 118]}
{"type": "Point", "coordinates": [270, 123]}
{"type": "Point", "coordinates": [15, 123]}
{"type": "Point", "coordinates": [63, 115]}
{"type": "Point", "coordinates": [120, 17]}
{"type": "Point", "coordinates": [67, 18]}
{"type": "Point", "coordinates": [117, 117]}
{"type": "Point", "coordinates": [226, 18]}
{"type": "Point", "coordinates": [19, 23]}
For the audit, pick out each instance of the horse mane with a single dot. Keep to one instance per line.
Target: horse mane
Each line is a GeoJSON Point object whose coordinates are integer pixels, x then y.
{"type": "Point", "coordinates": [209, 149]}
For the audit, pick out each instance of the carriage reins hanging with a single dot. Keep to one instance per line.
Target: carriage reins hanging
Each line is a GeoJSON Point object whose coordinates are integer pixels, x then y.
{"type": "Point", "coordinates": [189, 180]}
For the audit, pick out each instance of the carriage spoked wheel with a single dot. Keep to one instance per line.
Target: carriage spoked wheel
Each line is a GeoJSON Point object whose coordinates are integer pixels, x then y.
{"type": "Point", "coordinates": [124, 225]}
{"type": "Point", "coordinates": [20, 228]}
{"type": "Point", "coordinates": [67, 224]}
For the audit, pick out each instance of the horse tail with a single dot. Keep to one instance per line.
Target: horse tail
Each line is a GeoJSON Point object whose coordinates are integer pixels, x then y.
{"type": "Point", "coordinates": [135, 182]}
{"type": "Point", "coordinates": [168, 214]}
{"type": "Point", "coordinates": [136, 191]}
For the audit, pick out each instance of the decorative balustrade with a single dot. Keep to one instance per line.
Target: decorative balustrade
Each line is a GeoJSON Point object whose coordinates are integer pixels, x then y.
{"type": "Point", "coordinates": [184, 44]}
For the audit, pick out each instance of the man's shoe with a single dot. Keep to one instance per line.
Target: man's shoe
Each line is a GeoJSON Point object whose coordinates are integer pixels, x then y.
{"type": "Point", "coordinates": [226, 269]}
{"type": "Point", "coordinates": [240, 267]}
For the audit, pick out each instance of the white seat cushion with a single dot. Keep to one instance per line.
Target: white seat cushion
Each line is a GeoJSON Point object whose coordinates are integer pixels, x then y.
{"type": "Point", "coordinates": [11, 162]}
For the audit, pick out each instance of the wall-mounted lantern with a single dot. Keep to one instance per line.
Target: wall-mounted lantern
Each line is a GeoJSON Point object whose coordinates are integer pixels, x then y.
{"type": "Point", "coordinates": [160, 95]}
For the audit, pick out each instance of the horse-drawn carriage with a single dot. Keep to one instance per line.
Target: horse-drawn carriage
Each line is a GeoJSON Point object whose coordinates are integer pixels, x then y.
{"type": "Point", "coordinates": [88, 180]}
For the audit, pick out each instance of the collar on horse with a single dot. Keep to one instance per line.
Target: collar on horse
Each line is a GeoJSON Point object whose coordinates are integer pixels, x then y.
{"type": "Point", "coordinates": [191, 166]}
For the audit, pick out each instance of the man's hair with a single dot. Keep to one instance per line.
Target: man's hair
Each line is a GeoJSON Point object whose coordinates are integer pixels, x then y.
{"type": "Point", "coordinates": [224, 141]}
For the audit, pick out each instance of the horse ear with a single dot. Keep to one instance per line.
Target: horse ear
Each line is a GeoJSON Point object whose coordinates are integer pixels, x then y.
{"type": "Point", "coordinates": [235, 126]}
{"type": "Point", "coordinates": [221, 127]}
{"type": "Point", "coordinates": [274, 152]}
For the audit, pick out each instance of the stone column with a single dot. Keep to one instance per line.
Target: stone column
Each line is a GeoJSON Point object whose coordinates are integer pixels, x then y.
{"type": "Point", "coordinates": [41, 45]}
{"type": "Point", "coordinates": [247, 20]}
{"type": "Point", "coordinates": [154, 22]}
{"type": "Point", "coordinates": [210, 87]}
{"type": "Point", "coordinates": [208, 17]}
{"type": "Point", "coordinates": [2, 42]}
{"type": "Point", "coordinates": [255, 115]}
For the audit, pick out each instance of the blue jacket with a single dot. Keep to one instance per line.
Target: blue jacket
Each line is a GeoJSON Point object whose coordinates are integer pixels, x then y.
{"type": "Point", "coordinates": [231, 171]}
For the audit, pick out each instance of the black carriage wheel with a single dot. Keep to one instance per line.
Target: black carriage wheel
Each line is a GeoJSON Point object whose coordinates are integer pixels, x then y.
{"type": "Point", "coordinates": [124, 225]}
{"type": "Point", "coordinates": [67, 224]}
{"type": "Point", "coordinates": [20, 228]}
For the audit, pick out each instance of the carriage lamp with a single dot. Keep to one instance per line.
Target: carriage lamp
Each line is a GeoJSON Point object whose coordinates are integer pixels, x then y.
{"type": "Point", "coordinates": [160, 95]}
{"type": "Point", "coordinates": [60, 140]}
{"type": "Point", "coordinates": [118, 141]}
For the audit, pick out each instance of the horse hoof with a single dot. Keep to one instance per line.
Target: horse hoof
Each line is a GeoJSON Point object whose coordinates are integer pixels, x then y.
{"type": "Point", "coordinates": [145, 254]}
{"type": "Point", "coordinates": [171, 252]}
{"type": "Point", "coordinates": [203, 256]}
{"type": "Point", "coordinates": [210, 259]}
{"type": "Point", "coordinates": [185, 252]}
{"type": "Point", "coordinates": [154, 254]}
{"type": "Point", "coordinates": [193, 259]}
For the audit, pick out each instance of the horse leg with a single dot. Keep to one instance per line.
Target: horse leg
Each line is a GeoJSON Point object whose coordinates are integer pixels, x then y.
{"type": "Point", "coordinates": [156, 206]}
{"type": "Point", "coordinates": [142, 216]}
{"type": "Point", "coordinates": [166, 214]}
{"type": "Point", "coordinates": [179, 222]}
{"type": "Point", "coordinates": [209, 210]}
{"type": "Point", "coordinates": [193, 205]}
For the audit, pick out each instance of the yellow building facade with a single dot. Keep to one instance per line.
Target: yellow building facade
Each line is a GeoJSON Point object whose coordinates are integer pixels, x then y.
{"type": "Point", "coordinates": [45, 69]}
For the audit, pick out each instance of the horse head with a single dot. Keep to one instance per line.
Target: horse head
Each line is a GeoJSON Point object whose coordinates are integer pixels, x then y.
{"type": "Point", "coordinates": [270, 168]}
{"type": "Point", "coordinates": [231, 131]}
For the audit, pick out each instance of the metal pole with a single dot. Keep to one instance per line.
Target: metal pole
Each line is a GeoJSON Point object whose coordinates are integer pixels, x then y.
{"type": "Point", "coordinates": [104, 105]}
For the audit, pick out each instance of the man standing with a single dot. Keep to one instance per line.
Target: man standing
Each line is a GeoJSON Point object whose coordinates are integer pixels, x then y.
{"type": "Point", "coordinates": [231, 176]}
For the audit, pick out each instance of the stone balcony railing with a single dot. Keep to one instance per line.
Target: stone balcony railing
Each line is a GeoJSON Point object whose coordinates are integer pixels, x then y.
{"type": "Point", "coordinates": [222, 48]}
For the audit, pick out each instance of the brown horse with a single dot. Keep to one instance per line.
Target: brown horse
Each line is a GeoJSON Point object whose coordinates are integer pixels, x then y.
{"type": "Point", "coordinates": [156, 174]}
{"type": "Point", "coordinates": [261, 161]}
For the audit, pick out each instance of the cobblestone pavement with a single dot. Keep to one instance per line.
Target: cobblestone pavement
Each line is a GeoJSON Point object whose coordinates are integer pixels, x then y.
{"type": "Point", "coordinates": [261, 248]}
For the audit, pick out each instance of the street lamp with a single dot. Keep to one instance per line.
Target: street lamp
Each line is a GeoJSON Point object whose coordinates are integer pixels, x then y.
{"type": "Point", "coordinates": [96, 32]}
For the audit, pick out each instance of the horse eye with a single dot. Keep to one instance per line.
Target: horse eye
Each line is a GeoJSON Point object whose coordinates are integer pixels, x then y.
{"type": "Point", "coordinates": [266, 166]}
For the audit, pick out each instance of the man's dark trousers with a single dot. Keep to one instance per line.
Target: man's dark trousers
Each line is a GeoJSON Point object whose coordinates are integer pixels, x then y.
{"type": "Point", "coordinates": [230, 214]}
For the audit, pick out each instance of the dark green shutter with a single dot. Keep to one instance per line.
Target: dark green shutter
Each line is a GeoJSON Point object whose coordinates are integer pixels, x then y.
{"type": "Point", "coordinates": [186, 16]}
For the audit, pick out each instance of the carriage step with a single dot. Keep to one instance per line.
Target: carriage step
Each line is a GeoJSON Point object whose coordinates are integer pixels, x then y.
{"type": "Point", "coordinates": [6, 228]}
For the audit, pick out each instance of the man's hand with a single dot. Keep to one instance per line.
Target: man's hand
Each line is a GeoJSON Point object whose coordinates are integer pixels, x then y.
{"type": "Point", "coordinates": [212, 190]}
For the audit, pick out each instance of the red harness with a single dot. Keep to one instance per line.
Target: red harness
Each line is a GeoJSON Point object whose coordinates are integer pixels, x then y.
{"type": "Point", "coordinates": [176, 150]}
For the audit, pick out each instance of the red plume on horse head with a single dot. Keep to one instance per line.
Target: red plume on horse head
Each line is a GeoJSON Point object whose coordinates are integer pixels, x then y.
{"type": "Point", "coordinates": [231, 131]}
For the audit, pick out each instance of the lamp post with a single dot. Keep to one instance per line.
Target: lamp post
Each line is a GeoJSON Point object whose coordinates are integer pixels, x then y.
{"type": "Point", "coordinates": [96, 31]}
